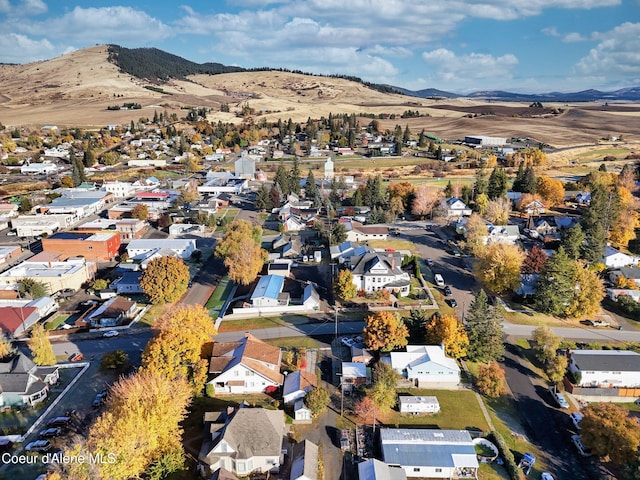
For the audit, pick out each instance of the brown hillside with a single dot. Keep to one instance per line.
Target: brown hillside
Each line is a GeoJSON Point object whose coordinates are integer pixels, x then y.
{"type": "Point", "coordinates": [75, 89]}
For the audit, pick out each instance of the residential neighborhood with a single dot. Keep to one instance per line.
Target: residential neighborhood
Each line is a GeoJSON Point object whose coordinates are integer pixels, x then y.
{"type": "Point", "coordinates": [304, 314]}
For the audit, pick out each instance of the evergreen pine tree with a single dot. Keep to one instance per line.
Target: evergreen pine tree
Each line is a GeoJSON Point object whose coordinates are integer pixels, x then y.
{"type": "Point", "coordinates": [448, 190]}
{"type": "Point", "coordinates": [497, 185]}
{"type": "Point", "coordinates": [529, 181]}
{"type": "Point", "coordinates": [484, 330]}
{"type": "Point", "coordinates": [406, 136]}
{"type": "Point", "coordinates": [518, 182]}
{"type": "Point", "coordinates": [357, 200]}
{"type": "Point", "coordinates": [282, 179]}
{"type": "Point", "coordinates": [555, 288]}
{"type": "Point", "coordinates": [573, 241]}
{"type": "Point", "coordinates": [422, 139]}
{"type": "Point", "coordinates": [263, 200]}
{"type": "Point", "coordinates": [481, 183]}
{"type": "Point", "coordinates": [294, 176]}
{"type": "Point", "coordinates": [310, 188]}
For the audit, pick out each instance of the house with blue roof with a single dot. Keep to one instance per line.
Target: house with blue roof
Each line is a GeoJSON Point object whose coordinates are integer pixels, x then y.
{"type": "Point", "coordinates": [430, 453]}
{"type": "Point", "coordinates": [268, 292]}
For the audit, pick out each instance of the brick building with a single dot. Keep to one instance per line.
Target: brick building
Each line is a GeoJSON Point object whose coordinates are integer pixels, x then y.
{"type": "Point", "coordinates": [99, 247]}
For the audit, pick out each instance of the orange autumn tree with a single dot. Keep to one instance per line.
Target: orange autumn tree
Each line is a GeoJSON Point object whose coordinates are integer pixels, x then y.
{"type": "Point", "coordinates": [241, 251]}
{"type": "Point", "coordinates": [491, 380]}
{"type": "Point", "coordinates": [384, 331]}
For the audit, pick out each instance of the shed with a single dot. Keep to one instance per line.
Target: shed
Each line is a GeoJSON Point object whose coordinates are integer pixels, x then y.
{"type": "Point", "coordinates": [415, 404]}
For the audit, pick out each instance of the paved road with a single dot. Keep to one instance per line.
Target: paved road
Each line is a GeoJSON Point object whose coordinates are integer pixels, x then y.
{"type": "Point", "coordinates": [545, 425]}
{"type": "Point", "coordinates": [460, 280]}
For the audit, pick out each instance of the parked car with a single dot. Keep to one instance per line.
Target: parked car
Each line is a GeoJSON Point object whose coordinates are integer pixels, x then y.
{"type": "Point", "coordinates": [429, 262]}
{"type": "Point", "coordinates": [110, 333]}
{"type": "Point", "coordinates": [439, 279]}
{"type": "Point", "coordinates": [59, 422]}
{"type": "Point", "coordinates": [598, 323]}
{"type": "Point", "coordinates": [51, 432]}
{"type": "Point", "coordinates": [38, 446]}
{"type": "Point", "coordinates": [66, 292]}
{"type": "Point", "coordinates": [453, 303]}
{"type": "Point", "coordinates": [447, 291]}
{"type": "Point", "coordinates": [576, 418]}
{"type": "Point", "coordinates": [546, 476]}
{"type": "Point", "coordinates": [560, 400]}
{"type": "Point", "coordinates": [348, 341]}
{"type": "Point", "coordinates": [11, 234]}
{"type": "Point", "coordinates": [76, 357]}
{"type": "Point", "coordinates": [101, 397]}
{"type": "Point", "coordinates": [582, 450]}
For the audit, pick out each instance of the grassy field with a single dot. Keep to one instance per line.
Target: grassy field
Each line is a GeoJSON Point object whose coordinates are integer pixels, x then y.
{"type": "Point", "coordinates": [452, 402]}
{"type": "Point", "coordinates": [261, 322]}
{"type": "Point", "coordinates": [393, 244]}
{"type": "Point", "coordinates": [219, 295]}
{"type": "Point", "coordinates": [600, 153]}
{"type": "Point", "coordinates": [56, 322]}
{"type": "Point", "coordinates": [293, 342]}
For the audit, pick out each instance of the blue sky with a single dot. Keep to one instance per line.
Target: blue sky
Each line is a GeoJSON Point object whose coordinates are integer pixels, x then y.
{"type": "Point", "coordinates": [454, 45]}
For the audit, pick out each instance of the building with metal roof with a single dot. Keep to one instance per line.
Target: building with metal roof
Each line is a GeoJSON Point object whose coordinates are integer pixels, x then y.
{"type": "Point", "coordinates": [373, 469]}
{"type": "Point", "coordinates": [606, 368]}
{"type": "Point", "coordinates": [268, 292]}
{"type": "Point", "coordinates": [430, 453]}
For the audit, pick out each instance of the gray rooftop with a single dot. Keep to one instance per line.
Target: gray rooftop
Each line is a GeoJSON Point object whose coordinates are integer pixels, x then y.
{"type": "Point", "coordinates": [606, 360]}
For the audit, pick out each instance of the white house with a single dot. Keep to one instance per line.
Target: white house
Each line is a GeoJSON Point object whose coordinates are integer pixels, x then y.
{"type": "Point", "coordinates": [297, 384]}
{"type": "Point", "coordinates": [119, 189]}
{"type": "Point", "coordinates": [139, 249]}
{"type": "Point", "coordinates": [268, 292]}
{"type": "Point", "coordinates": [417, 404]}
{"type": "Point", "coordinates": [39, 168]}
{"type": "Point", "coordinates": [430, 453]}
{"type": "Point", "coordinates": [246, 366]}
{"type": "Point", "coordinates": [606, 368]}
{"type": "Point", "coordinates": [357, 232]}
{"type": "Point", "coordinates": [456, 208]}
{"type": "Point", "coordinates": [505, 234]}
{"type": "Point", "coordinates": [248, 440]}
{"type": "Point", "coordinates": [615, 259]}
{"type": "Point", "coordinates": [426, 365]}
{"type": "Point", "coordinates": [614, 293]}
{"type": "Point", "coordinates": [377, 270]}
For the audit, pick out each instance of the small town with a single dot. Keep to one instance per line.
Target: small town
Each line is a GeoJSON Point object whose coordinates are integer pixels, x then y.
{"type": "Point", "coordinates": [320, 240]}
{"type": "Point", "coordinates": [325, 300]}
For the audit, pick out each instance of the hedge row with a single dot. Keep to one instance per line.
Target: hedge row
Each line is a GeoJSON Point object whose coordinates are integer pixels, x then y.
{"type": "Point", "coordinates": [509, 461]}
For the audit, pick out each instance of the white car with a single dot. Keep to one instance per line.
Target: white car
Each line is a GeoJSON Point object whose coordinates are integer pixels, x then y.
{"type": "Point", "coordinates": [11, 234]}
{"type": "Point", "coordinates": [576, 418]}
{"type": "Point", "coordinates": [546, 476]}
{"type": "Point", "coordinates": [559, 398]}
{"type": "Point", "coordinates": [110, 333]}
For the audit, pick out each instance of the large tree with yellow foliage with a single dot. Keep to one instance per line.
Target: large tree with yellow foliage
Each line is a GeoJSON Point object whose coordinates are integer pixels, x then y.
{"type": "Point", "coordinates": [550, 190]}
{"type": "Point", "coordinates": [140, 427]}
{"type": "Point", "coordinates": [181, 346]}
{"type": "Point", "coordinates": [165, 280]}
{"type": "Point", "coordinates": [624, 227]}
{"type": "Point", "coordinates": [448, 330]}
{"type": "Point", "coordinates": [588, 292]}
{"type": "Point", "coordinates": [40, 346]}
{"type": "Point", "coordinates": [499, 267]}
{"type": "Point", "coordinates": [241, 251]}
{"type": "Point", "coordinates": [476, 233]}
{"type": "Point", "coordinates": [384, 331]}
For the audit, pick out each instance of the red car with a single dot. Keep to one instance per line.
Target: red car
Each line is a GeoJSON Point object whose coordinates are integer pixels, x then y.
{"type": "Point", "coordinates": [76, 357]}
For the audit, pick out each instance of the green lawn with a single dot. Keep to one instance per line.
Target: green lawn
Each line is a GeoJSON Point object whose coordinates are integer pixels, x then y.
{"type": "Point", "coordinates": [452, 403]}
{"type": "Point", "coordinates": [56, 322]}
{"type": "Point", "coordinates": [293, 342]}
{"type": "Point", "coordinates": [219, 295]}
{"type": "Point", "coordinates": [249, 324]}
{"type": "Point", "coordinates": [393, 244]}
{"type": "Point", "coordinates": [599, 154]}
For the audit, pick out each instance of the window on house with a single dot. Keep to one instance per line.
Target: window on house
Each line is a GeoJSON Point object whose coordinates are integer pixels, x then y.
{"type": "Point", "coordinates": [416, 469]}
{"type": "Point", "coordinates": [438, 470]}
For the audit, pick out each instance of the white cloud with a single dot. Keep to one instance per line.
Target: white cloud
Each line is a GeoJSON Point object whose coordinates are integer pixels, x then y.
{"type": "Point", "coordinates": [618, 53]}
{"type": "Point", "coordinates": [574, 37]}
{"type": "Point", "coordinates": [32, 7]}
{"type": "Point", "coordinates": [449, 66]}
{"type": "Point", "coordinates": [101, 25]}
{"type": "Point", "coordinates": [551, 32]}
{"type": "Point", "coordinates": [16, 48]}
